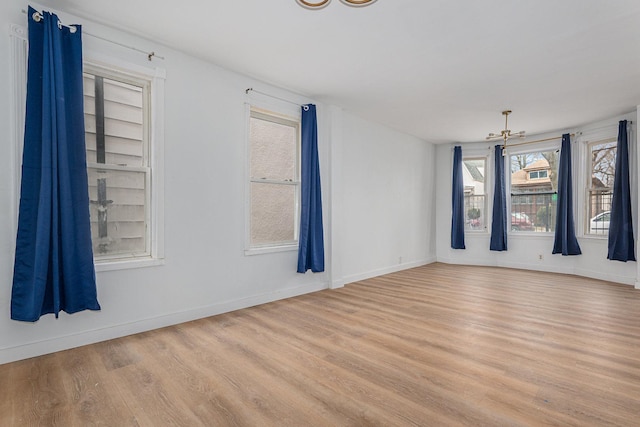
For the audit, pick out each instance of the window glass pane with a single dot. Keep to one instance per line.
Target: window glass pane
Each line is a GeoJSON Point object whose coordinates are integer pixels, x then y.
{"type": "Point", "coordinates": [603, 164]}
{"type": "Point", "coordinates": [599, 210]}
{"type": "Point", "coordinates": [273, 212]}
{"type": "Point", "coordinates": [534, 183]}
{"type": "Point", "coordinates": [117, 210]}
{"type": "Point", "coordinates": [474, 208]}
{"type": "Point", "coordinates": [603, 169]}
{"type": "Point", "coordinates": [473, 173]}
{"type": "Point", "coordinates": [114, 127]}
{"type": "Point", "coordinates": [273, 150]}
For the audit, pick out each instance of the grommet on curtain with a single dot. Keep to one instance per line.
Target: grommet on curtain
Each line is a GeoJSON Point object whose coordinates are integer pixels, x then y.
{"type": "Point", "coordinates": [38, 17]}
{"type": "Point", "coordinates": [305, 107]}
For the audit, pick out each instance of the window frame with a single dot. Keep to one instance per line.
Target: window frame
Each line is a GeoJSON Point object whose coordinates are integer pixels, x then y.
{"type": "Point", "coordinates": [538, 172]}
{"type": "Point", "coordinates": [152, 80]}
{"type": "Point", "coordinates": [156, 77]}
{"type": "Point", "coordinates": [18, 36]}
{"type": "Point", "coordinates": [145, 85]}
{"type": "Point", "coordinates": [485, 158]}
{"type": "Point", "coordinates": [285, 116]}
{"type": "Point", "coordinates": [588, 215]}
{"type": "Point", "coordinates": [537, 148]}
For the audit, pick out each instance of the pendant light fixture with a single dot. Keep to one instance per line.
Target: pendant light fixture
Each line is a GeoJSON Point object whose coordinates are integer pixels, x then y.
{"type": "Point", "coordinates": [505, 134]}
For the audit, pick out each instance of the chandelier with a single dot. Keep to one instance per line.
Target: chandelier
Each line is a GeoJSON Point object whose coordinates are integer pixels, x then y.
{"type": "Point", "coordinates": [505, 134]}
{"type": "Point", "coordinates": [316, 4]}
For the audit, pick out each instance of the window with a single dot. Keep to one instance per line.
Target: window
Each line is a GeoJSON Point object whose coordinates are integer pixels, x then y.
{"type": "Point", "coordinates": [124, 124]}
{"type": "Point", "coordinates": [274, 179]}
{"type": "Point", "coordinates": [125, 223]}
{"type": "Point", "coordinates": [538, 174]}
{"type": "Point", "coordinates": [473, 173]}
{"type": "Point", "coordinates": [602, 169]}
{"type": "Point", "coordinates": [534, 186]}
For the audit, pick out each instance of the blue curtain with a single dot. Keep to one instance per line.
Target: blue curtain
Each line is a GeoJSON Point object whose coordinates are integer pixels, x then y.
{"type": "Point", "coordinates": [53, 268]}
{"type": "Point", "coordinates": [457, 201]}
{"type": "Point", "coordinates": [565, 242]}
{"type": "Point", "coordinates": [311, 241]}
{"type": "Point", "coordinates": [621, 247]}
{"type": "Point", "coordinates": [499, 215]}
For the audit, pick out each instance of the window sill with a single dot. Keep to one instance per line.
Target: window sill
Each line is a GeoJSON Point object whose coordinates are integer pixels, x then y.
{"type": "Point", "coordinates": [476, 233]}
{"type": "Point", "coordinates": [270, 249]}
{"type": "Point", "coordinates": [528, 234]}
{"type": "Point", "coordinates": [596, 237]}
{"type": "Point", "coordinates": [125, 264]}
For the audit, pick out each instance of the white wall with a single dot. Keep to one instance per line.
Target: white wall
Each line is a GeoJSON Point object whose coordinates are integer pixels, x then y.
{"type": "Point", "coordinates": [383, 182]}
{"type": "Point", "coordinates": [524, 250]}
{"type": "Point", "coordinates": [383, 201]}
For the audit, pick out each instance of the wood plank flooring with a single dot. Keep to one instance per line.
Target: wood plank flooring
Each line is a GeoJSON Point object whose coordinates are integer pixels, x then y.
{"type": "Point", "coordinates": [437, 345]}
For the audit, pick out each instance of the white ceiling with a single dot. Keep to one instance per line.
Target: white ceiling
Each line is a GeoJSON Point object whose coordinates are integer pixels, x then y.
{"type": "Point", "coordinates": [441, 70]}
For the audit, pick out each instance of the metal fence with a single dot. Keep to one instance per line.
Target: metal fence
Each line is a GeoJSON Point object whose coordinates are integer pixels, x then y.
{"type": "Point", "coordinates": [536, 212]}
{"type": "Point", "coordinates": [474, 213]}
{"type": "Point", "coordinates": [533, 212]}
{"type": "Point", "coordinates": [599, 211]}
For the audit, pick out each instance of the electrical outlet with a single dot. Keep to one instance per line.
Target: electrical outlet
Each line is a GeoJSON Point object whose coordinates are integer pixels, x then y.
{"type": "Point", "coordinates": [540, 257]}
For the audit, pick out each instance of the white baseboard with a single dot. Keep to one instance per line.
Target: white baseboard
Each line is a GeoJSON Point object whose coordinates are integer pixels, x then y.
{"type": "Point", "coordinates": [338, 283]}
{"type": "Point", "coordinates": [593, 274]}
{"type": "Point", "coordinates": [59, 343]}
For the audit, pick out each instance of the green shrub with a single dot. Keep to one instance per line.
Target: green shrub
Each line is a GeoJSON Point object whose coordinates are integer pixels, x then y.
{"type": "Point", "coordinates": [473, 213]}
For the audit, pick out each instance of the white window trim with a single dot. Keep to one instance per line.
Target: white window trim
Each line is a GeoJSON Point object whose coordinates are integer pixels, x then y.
{"type": "Point", "coordinates": [587, 188]}
{"type": "Point", "coordinates": [600, 131]}
{"type": "Point", "coordinates": [156, 79]}
{"type": "Point", "coordinates": [481, 155]}
{"type": "Point", "coordinates": [288, 112]}
{"type": "Point", "coordinates": [536, 148]}
{"type": "Point", "coordinates": [19, 48]}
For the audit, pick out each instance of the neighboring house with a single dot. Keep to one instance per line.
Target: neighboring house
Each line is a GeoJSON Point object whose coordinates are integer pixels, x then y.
{"type": "Point", "coordinates": [534, 178]}
{"type": "Point", "coordinates": [474, 196]}
{"type": "Point", "coordinates": [532, 197]}
{"type": "Point", "coordinates": [473, 177]}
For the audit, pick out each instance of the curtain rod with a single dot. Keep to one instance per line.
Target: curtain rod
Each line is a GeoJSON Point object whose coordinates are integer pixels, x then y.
{"type": "Point", "coordinates": [505, 146]}
{"type": "Point", "coordinates": [613, 125]}
{"type": "Point", "coordinates": [533, 142]}
{"type": "Point", "coordinates": [37, 16]}
{"type": "Point", "coordinates": [552, 138]}
{"type": "Point", "coordinates": [250, 89]}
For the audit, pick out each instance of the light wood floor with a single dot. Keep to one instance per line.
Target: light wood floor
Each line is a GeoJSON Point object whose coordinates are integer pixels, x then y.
{"type": "Point", "coordinates": [433, 346]}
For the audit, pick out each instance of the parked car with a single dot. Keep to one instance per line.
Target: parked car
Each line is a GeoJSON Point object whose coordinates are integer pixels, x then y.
{"type": "Point", "coordinates": [521, 222]}
{"type": "Point", "coordinates": [599, 224]}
